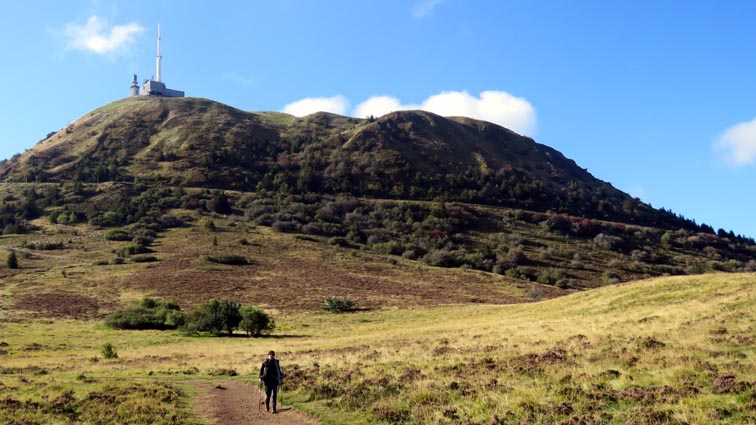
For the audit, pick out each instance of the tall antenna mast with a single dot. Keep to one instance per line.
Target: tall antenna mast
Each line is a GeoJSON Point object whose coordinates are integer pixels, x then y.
{"type": "Point", "coordinates": [159, 57]}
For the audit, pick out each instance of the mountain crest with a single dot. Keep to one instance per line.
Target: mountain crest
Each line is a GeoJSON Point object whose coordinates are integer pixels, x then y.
{"type": "Point", "coordinates": [404, 154]}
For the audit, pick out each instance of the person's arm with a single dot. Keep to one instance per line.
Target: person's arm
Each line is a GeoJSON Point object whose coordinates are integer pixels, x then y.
{"type": "Point", "coordinates": [280, 374]}
{"type": "Point", "coordinates": [262, 369]}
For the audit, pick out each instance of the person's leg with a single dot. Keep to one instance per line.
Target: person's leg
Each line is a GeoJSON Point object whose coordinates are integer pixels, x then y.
{"type": "Point", "coordinates": [275, 396]}
{"type": "Point", "coordinates": [268, 390]}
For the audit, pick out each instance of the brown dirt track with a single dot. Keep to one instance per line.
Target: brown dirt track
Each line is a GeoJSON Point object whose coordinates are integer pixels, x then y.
{"type": "Point", "coordinates": [228, 402]}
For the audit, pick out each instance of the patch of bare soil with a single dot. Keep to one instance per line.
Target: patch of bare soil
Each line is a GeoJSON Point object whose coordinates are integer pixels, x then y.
{"type": "Point", "coordinates": [229, 402]}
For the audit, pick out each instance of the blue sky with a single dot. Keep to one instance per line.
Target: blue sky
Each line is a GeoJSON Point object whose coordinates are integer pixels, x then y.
{"type": "Point", "coordinates": [655, 97]}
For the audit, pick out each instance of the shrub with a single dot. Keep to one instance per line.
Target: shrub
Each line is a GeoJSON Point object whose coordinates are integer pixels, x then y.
{"type": "Point", "coordinates": [147, 314]}
{"type": "Point", "coordinates": [339, 305]}
{"type": "Point", "coordinates": [109, 351]}
{"type": "Point", "coordinates": [230, 259]}
{"type": "Point", "coordinates": [551, 277]}
{"type": "Point", "coordinates": [609, 278]}
{"type": "Point", "coordinates": [12, 260]}
{"type": "Point", "coordinates": [336, 240]}
{"type": "Point", "coordinates": [132, 249]}
{"type": "Point", "coordinates": [143, 259]}
{"type": "Point", "coordinates": [390, 247]}
{"type": "Point", "coordinates": [577, 264]}
{"type": "Point", "coordinates": [517, 273]}
{"type": "Point", "coordinates": [534, 292]}
{"type": "Point", "coordinates": [45, 246]}
{"type": "Point", "coordinates": [142, 240]}
{"type": "Point", "coordinates": [608, 242]}
{"type": "Point", "coordinates": [117, 235]}
{"type": "Point", "coordinates": [442, 258]}
{"type": "Point", "coordinates": [557, 223]}
{"type": "Point", "coordinates": [254, 321]}
{"type": "Point", "coordinates": [222, 372]}
{"type": "Point", "coordinates": [285, 226]}
{"type": "Point", "coordinates": [10, 229]}
{"type": "Point", "coordinates": [516, 256]}
{"type": "Point", "coordinates": [214, 316]}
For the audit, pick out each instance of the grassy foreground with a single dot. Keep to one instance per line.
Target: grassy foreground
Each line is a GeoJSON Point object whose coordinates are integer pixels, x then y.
{"type": "Point", "coordinates": [669, 350]}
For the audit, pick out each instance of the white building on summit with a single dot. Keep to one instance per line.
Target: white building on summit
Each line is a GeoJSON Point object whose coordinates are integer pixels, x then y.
{"type": "Point", "coordinates": [155, 87]}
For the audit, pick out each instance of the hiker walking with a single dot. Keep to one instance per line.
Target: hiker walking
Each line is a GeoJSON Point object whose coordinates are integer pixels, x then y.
{"type": "Point", "coordinates": [270, 375]}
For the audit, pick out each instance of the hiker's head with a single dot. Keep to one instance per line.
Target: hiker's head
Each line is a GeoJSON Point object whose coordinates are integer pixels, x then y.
{"type": "Point", "coordinates": [271, 354]}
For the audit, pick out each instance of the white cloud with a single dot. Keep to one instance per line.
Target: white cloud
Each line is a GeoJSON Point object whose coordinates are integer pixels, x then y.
{"type": "Point", "coordinates": [498, 107]}
{"type": "Point", "coordinates": [336, 104]}
{"type": "Point", "coordinates": [97, 37]}
{"type": "Point", "coordinates": [738, 143]}
{"type": "Point", "coordinates": [424, 8]}
{"type": "Point", "coordinates": [380, 105]}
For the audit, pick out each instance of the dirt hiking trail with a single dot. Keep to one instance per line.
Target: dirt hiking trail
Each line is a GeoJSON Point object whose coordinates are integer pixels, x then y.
{"type": "Point", "coordinates": [228, 402]}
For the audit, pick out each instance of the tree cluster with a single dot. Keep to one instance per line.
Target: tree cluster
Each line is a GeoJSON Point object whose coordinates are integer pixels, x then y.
{"type": "Point", "coordinates": [214, 316]}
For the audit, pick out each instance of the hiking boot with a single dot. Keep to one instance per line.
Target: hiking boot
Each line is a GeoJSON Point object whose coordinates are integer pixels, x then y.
{"type": "Point", "coordinates": [274, 409]}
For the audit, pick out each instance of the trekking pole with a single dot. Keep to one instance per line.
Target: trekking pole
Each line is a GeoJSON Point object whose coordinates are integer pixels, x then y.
{"type": "Point", "coordinates": [259, 398]}
{"type": "Point", "coordinates": [280, 392]}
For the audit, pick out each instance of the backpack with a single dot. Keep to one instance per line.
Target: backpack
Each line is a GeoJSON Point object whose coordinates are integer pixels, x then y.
{"type": "Point", "coordinates": [270, 371]}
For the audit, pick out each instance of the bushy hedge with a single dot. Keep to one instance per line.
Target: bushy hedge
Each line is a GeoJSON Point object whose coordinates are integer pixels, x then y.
{"type": "Point", "coordinates": [44, 246]}
{"type": "Point", "coordinates": [339, 305]}
{"type": "Point", "coordinates": [117, 235]}
{"type": "Point", "coordinates": [214, 316]}
{"type": "Point", "coordinates": [144, 259]}
{"type": "Point", "coordinates": [218, 316]}
{"type": "Point", "coordinates": [148, 314]}
{"type": "Point", "coordinates": [132, 249]}
{"type": "Point", "coordinates": [255, 322]}
{"type": "Point", "coordinates": [230, 259]}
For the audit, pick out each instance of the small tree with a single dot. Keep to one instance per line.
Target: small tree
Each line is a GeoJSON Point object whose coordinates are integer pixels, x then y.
{"type": "Point", "coordinates": [12, 260]}
{"type": "Point", "coordinates": [255, 322]}
{"type": "Point", "coordinates": [214, 316]}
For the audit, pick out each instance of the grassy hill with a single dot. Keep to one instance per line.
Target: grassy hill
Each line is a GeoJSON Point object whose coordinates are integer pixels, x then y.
{"type": "Point", "coordinates": [444, 192]}
{"type": "Point", "coordinates": [403, 155]}
{"type": "Point", "coordinates": [670, 350]}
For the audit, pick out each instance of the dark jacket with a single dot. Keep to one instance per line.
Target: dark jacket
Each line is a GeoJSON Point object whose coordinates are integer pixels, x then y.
{"type": "Point", "coordinates": [270, 372]}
